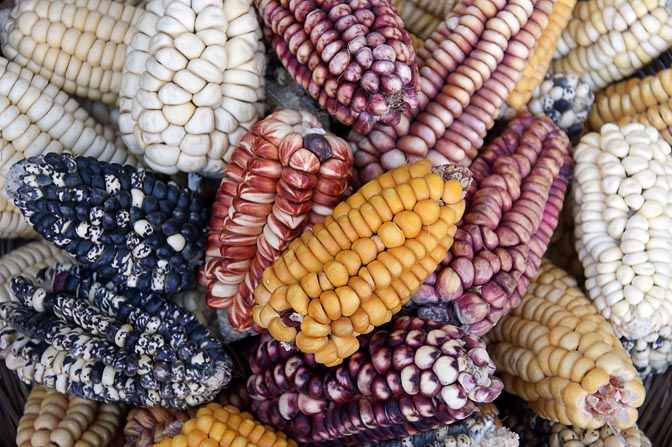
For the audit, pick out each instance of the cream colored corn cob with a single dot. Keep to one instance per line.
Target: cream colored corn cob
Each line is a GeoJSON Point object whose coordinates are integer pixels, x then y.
{"type": "Point", "coordinates": [78, 45]}
{"type": "Point", "coordinates": [608, 40]}
{"type": "Point", "coordinates": [556, 352]}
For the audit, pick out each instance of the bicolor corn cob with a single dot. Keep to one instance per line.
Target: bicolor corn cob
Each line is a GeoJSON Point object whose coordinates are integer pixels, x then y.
{"type": "Point", "coordinates": [51, 418]}
{"type": "Point", "coordinates": [354, 57]}
{"type": "Point", "coordinates": [512, 209]}
{"type": "Point", "coordinates": [468, 67]}
{"type": "Point", "coordinates": [537, 65]}
{"type": "Point", "coordinates": [92, 341]}
{"type": "Point", "coordinates": [286, 175]}
{"type": "Point", "coordinates": [353, 272]}
{"type": "Point", "coordinates": [481, 429]}
{"type": "Point", "coordinates": [414, 376]}
{"type": "Point", "coordinates": [560, 355]}
{"type": "Point", "coordinates": [127, 224]}
{"type": "Point", "coordinates": [192, 84]}
{"type": "Point", "coordinates": [78, 46]}
{"type": "Point", "coordinates": [564, 99]}
{"type": "Point", "coordinates": [37, 117]}
{"type": "Point", "coordinates": [622, 191]}
{"type": "Point", "coordinates": [226, 426]}
{"type": "Point", "coordinates": [647, 101]}
{"type": "Point", "coordinates": [422, 17]}
{"type": "Point", "coordinates": [608, 40]}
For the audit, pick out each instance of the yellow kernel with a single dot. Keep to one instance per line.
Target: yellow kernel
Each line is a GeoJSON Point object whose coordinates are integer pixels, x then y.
{"type": "Point", "coordinates": [376, 311]}
{"type": "Point", "coordinates": [380, 274]}
{"type": "Point", "coordinates": [348, 299]}
{"type": "Point", "coordinates": [420, 168]}
{"type": "Point", "coordinates": [261, 294]}
{"type": "Point", "coordinates": [388, 296]}
{"type": "Point", "coordinates": [235, 420]}
{"type": "Point", "coordinates": [341, 209]}
{"type": "Point", "coordinates": [316, 310]}
{"type": "Point", "coordinates": [259, 429]}
{"type": "Point", "coordinates": [317, 249]}
{"type": "Point", "coordinates": [361, 287]}
{"type": "Point", "coordinates": [295, 267]}
{"type": "Point", "coordinates": [403, 254]}
{"type": "Point", "coordinates": [195, 438]}
{"type": "Point", "coordinates": [420, 188]}
{"type": "Point", "coordinates": [311, 285]}
{"type": "Point", "coordinates": [428, 210]}
{"type": "Point", "coordinates": [328, 354]}
{"type": "Point", "coordinates": [382, 208]}
{"type": "Point", "coordinates": [266, 314]}
{"type": "Point", "coordinates": [452, 192]}
{"type": "Point", "coordinates": [314, 329]}
{"type": "Point", "coordinates": [238, 441]}
{"type": "Point", "coordinates": [366, 249]}
{"type": "Point", "coordinates": [391, 235]}
{"type": "Point", "coordinates": [281, 332]}
{"type": "Point", "coordinates": [356, 200]}
{"type": "Point", "coordinates": [359, 321]}
{"type": "Point", "coordinates": [370, 189]}
{"type": "Point", "coordinates": [325, 240]}
{"type": "Point", "coordinates": [189, 426]}
{"type": "Point", "coordinates": [209, 443]}
{"type": "Point", "coordinates": [359, 224]}
{"type": "Point", "coordinates": [435, 183]}
{"type": "Point", "coordinates": [204, 422]}
{"type": "Point", "coordinates": [401, 175]}
{"type": "Point", "coordinates": [331, 304]}
{"type": "Point", "coordinates": [409, 222]}
{"type": "Point", "coordinates": [298, 299]}
{"type": "Point", "coordinates": [337, 273]}
{"type": "Point", "coordinates": [179, 440]}
{"type": "Point", "coordinates": [308, 344]}
{"type": "Point", "coordinates": [345, 346]}
{"type": "Point", "coordinates": [278, 299]}
{"type": "Point", "coordinates": [217, 430]}
{"type": "Point", "coordinates": [281, 270]}
{"type": "Point", "coordinates": [342, 327]}
{"type": "Point", "coordinates": [371, 216]}
{"type": "Point", "coordinates": [228, 437]}
{"type": "Point", "coordinates": [339, 236]}
{"type": "Point", "coordinates": [391, 263]}
{"type": "Point", "coordinates": [166, 442]}
{"type": "Point", "coordinates": [324, 282]}
{"type": "Point", "coordinates": [350, 259]}
{"type": "Point", "coordinates": [308, 259]}
{"type": "Point", "coordinates": [347, 227]}
{"type": "Point", "coordinates": [407, 195]}
{"type": "Point", "coordinates": [393, 200]}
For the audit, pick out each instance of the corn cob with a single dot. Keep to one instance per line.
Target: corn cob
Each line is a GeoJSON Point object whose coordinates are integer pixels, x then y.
{"type": "Point", "coordinates": [128, 224]}
{"type": "Point", "coordinates": [556, 352]}
{"type": "Point", "coordinates": [608, 40]}
{"type": "Point", "coordinates": [78, 45]}
{"type": "Point", "coordinates": [285, 176]}
{"type": "Point", "coordinates": [225, 426]}
{"type": "Point", "coordinates": [468, 67]}
{"type": "Point", "coordinates": [192, 301]}
{"type": "Point", "coordinates": [354, 57]}
{"type": "Point", "coordinates": [647, 101]}
{"type": "Point", "coordinates": [355, 270]}
{"type": "Point", "coordinates": [52, 418]}
{"type": "Point", "coordinates": [192, 84]}
{"type": "Point", "coordinates": [564, 99]}
{"type": "Point", "coordinates": [621, 204]}
{"type": "Point", "coordinates": [422, 17]}
{"type": "Point", "coordinates": [512, 209]}
{"type": "Point", "coordinates": [481, 429]}
{"type": "Point", "coordinates": [537, 65]}
{"type": "Point", "coordinates": [413, 377]}
{"type": "Point", "coordinates": [662, 62]}
{"type": "Point", "coordinates": [92, 341]}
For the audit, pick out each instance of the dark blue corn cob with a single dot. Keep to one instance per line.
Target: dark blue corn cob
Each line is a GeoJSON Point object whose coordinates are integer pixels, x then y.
{"type": "Point", "coordinates": [129, 346]}
{"type": "Point", "coordinates": [129, 225]}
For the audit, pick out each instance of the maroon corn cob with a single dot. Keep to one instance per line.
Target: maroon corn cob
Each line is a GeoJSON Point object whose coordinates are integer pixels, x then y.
{"type": "Point", "coordinates": [287, 174]}
{"type": "Point", "coordinates": [468, 67]}
{"type": "Point", "coordinates": [520, 180]}
{"type": "Point", "coordinates": [353, 56]}
{"type": "Point", "coordinates": [416, 376]}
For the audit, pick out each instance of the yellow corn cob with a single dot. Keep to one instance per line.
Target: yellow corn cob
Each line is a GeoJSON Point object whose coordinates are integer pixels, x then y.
{"type": "Point", "coordinates": [226, 426]}
{"type": "Point", "coordinates": [356, 269]}
{"type": "Point", "coordinates": [422, 17]}
{"type": "Point", "coordinates": [52, 418]}
{"type": "Point", "coordinates": [78, 45]}
{"type": "Point", "coordinates": [647, 101]}
{"type": "Point", "coordinates": [538, 62]}
{"type": "Point", "coordinates": [608, 40]}
{"type": "Point", "coordinates": [556, 352]}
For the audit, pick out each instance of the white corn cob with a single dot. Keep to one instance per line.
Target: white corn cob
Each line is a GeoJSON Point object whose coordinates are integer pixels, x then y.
{"type": "Point", "coordinates": [622, 206]}
{"type": "Point", "coordinates": [79, 45]}
{"type": "Point", "coordinates": [192, 84]}
{"type": "Point", "coordinates": [37, 117]}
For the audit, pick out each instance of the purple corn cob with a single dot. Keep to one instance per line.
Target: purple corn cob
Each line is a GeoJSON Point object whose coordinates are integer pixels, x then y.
{"type": "Point", "coordinates": [520, 180]}
{"type": "Point", "coordinates": [353, 56]}
{"type": "Point", "coordinates": [412, 378]}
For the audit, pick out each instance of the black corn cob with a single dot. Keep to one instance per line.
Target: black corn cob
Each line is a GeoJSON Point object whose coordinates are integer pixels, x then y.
{"type": "Point", "coordinates": [81, 337]}
{"type": "Point", "coordinates": [415, 376]}
{"type": "Point", "coordinates": [129, 225]}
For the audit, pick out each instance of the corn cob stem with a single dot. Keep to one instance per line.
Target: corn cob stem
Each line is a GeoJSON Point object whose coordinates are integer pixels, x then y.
{"type": "Point", "coordinates": [556, 352]}
{"type": "Point", "coordinates": [512, 209]}
{"type": "Point", "coordinates": [79, 46]}
{"type": "Point", "coordinates": [413, 377]}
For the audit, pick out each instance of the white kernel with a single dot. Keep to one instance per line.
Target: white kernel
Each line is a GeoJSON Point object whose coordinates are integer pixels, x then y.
{"type": "Point", "coordinates": [635, 258]}
{"type": "Point", "coordinates": [616, 227]}
{"type": "Point", "coordinates": [645, 268]}
{"type": "Point", "coordinates": [613, 297]}
{"type": "Point", "coordinates": [633, 295]}
{"type": "Point", "coordinates": [611, 254]}
{"type": "Point", "coordinates": [643, 283]}
{"type": "Point", "coordinates": [651, 209]}
{"type": "Point", "coordinates": [632, 246]}
{"type": "Point", "coordinates": [625, 274]}
{"type": "Point", "coordinates": [634, 201]}
{"type": "Point", "coordinates": [634, 164]}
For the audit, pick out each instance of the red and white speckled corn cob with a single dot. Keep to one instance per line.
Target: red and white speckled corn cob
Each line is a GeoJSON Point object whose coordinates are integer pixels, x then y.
{"type": "Point", "coordinates": [287, 174]}
{"type": "Point", "coordinates": [468, 67]}
{"type": "Point", "coordinates": [353, 56]}
{"type": "Point", "coordinates": [512, 210]}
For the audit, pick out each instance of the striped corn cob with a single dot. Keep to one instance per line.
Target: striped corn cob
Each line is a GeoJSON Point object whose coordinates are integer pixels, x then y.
{"type": "Point", "coordinates": [622, 190]}
{"type": "Point", "coordinates": [78, 45]}
{"type": "Point", "coordinates": [481, 429]}
{"type": "Point", "coordinates": [537, 65]}
{"type": "Point", "coordinates": [353, 56]}
{"type": "Point", "coordinates": [355, 270]}
{"type": "Point", "coordinates": [607, 40]}
{"type": "Point", "coordinates": [422, 17]}
{"type": "Point", "coordinates": [286, 175]}
{"type": "Point", "coordinates": [37, 117]}
{"type": "Point", "coordinates": [413, 377]}
{"type": "Point", "coordinates": [92, 341]}
{"type": "Point", "coordinates": [192, 84]}
{"type": "Point", "coordinates": [512, 209]}
{"type": "Point", "coordinates": [226, 426]}
{"type": "Point", "coordinates": [51, 418]}
{"type": "Point", "coordinates": [647, 101]}
{"type": "Point", "coordinates": [127, 224]}
{"type": "Point", "coordinates": [560, 355]}
{"type": "Point", "coordinates": [468, 67]}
